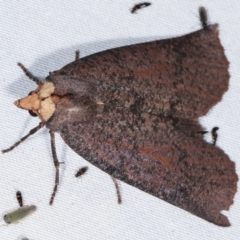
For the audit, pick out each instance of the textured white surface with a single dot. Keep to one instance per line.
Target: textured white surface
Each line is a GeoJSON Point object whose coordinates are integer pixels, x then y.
{"type": "Point", "coordinates": [44, 35]}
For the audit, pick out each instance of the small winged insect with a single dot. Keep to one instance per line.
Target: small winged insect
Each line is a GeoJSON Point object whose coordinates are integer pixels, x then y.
{"type": "Point", "coordinates": [81, 171]}
{"type": "Point", "coordinates": [139, 6]}
{"type": "Point", "coordinates": [19, 214]}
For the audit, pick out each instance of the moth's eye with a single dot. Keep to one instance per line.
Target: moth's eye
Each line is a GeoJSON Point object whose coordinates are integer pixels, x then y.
{"type": "Point", "coordinates": [33, 114]}
{"type": "Point", "coordinates": [30, 93]}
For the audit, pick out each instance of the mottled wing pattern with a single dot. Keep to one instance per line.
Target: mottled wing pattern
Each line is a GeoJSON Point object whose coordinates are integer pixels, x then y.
{"type": "Point", "coordinates": [146, 132]}
{"type": "Point", "coordinates": [171, 162]}
{"type": "Point", "coordinates": [181, 77]}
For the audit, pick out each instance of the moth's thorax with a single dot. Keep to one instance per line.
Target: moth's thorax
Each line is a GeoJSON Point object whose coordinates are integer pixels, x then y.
{"type": "Point", "coordinates": [41, 101]}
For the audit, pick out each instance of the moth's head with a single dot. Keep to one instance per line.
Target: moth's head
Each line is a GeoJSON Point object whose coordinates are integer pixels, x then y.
{"type": "Point", "coordinates": [40, 102]}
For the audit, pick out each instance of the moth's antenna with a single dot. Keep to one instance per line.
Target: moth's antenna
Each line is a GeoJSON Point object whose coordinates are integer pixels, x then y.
{"type": "Point", "coordinates": [29, 75]}
{"type": "Point", "coordinates": [203, 17]}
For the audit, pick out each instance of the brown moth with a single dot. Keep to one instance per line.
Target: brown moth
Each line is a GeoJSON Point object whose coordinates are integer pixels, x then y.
{"type": "Point", "coordinates": [133, 112]}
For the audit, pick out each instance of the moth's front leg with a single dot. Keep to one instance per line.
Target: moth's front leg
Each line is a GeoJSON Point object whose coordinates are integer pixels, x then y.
{"type": "Point", "coordinates": [56, 164]}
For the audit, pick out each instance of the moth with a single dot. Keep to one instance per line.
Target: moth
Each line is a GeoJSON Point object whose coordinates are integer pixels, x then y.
{"type": "Point", "coordinates": [133, 112]}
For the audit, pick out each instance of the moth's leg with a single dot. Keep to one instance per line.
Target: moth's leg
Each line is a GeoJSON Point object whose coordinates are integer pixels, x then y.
{"type": "Point", "coordinates": [56, 164]}
{"type": "Point", "coordinates": [31, 132]}
{"type": "Point", "coordinates": [117, 190]}
{"type": "Point", "coordinates": [77, 54]}
{"type": "Point", "coordinates": [214, 135]}
{"type": "Point", "coordinates": [29, 75]}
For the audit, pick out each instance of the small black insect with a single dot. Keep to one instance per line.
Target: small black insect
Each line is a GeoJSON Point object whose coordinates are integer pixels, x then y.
{"type": "Point", "coordinates": [132, 113]}
{"type": "Point", "coordinates": [203, 17]}
{"type": "Point", "coordinates": [214, 135]}
{"type": "Point", "coordinates": [81, 171]}
{"type": "Point", "coordinates": [139, 6]}
{"type": "Point", "coordinates": [19, 198]}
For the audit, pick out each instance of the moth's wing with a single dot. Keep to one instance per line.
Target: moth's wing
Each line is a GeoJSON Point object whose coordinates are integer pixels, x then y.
{"type": "Point", "coordinates": [141, 134]}
{"type": "Point", "coordinates": [163, 156]}
{"type": "Point", "coordinates": [182, 77]}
